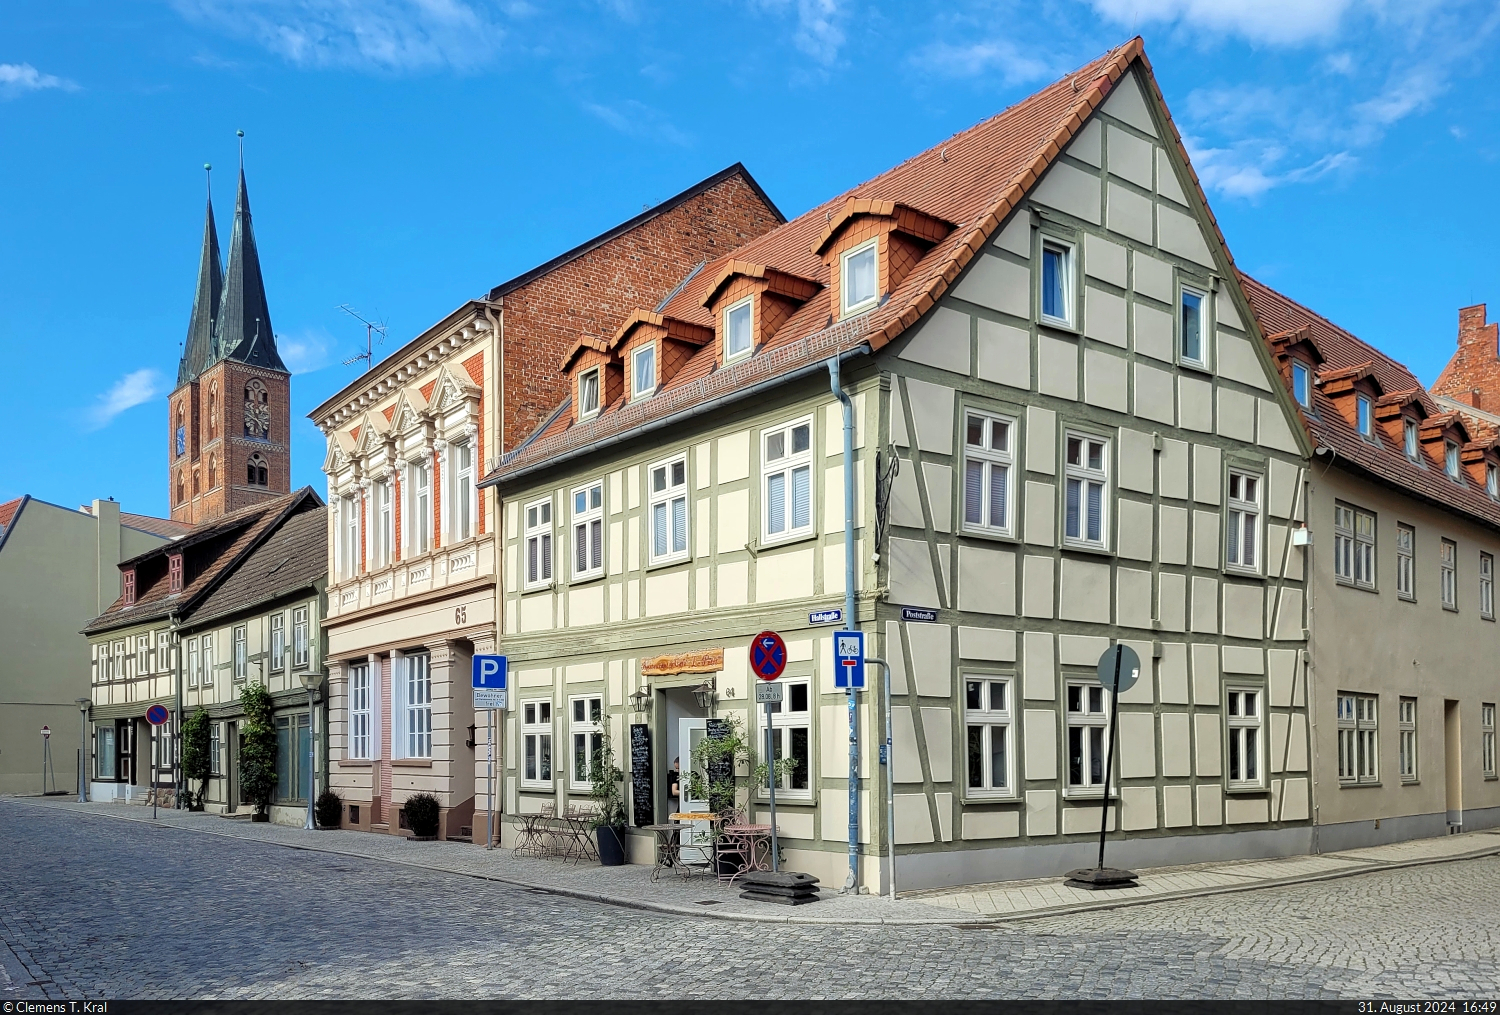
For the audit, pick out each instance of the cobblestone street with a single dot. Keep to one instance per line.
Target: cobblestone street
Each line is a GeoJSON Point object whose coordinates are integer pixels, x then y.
{"type": "Point", "coordinates": [101, 908]}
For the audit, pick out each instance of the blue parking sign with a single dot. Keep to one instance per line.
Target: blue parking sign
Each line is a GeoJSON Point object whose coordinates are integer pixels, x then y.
{"type": "Point", "coordinates": [849, 659]}
{"type": "Point", "coordinates": [490, 673]}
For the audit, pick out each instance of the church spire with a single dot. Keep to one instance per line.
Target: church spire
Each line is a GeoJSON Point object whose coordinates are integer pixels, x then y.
{"type": "Point", "coordinates": [198, 349]}
{"type": "Point", "coordinates": [243, 329]}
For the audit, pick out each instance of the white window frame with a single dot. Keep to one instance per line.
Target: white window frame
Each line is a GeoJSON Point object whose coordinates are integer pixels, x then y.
{"type": "Point", "coordinates": [1411, 444]}
{"type": "Point", "coordinates": [1406, 725]}
{"type": "Point", "coordinates": [142, 655]}
{"type": "Point", "coordinates": [538, 559]}
{"type": "Point", "coordinates": [192, 662]}
{"type": "Point", "coordinates": [536, 744]}
{"type": "Point", "coordinates": [361, 715]}
{"type": "Point", "coordinates": [1085, 477]}
{"type": "Point", "coordinates": [206, 662]}
{"type": "Point", "coordinates": [1205, 300]}
{"type": "Point", "coordinates": [1358, 738]}
{"type": "Point", "coordinates": [1353, 546]}
{"type": "Point", "coordinates": [746, 307]}
{"type": "Point", "coordinates": [461, 508]}
{"type": "Point", "coordinates": [1302, 384]}
{"type": "Point", "coordinates": [848, 309]}
{"type": "Point", "coordinates": [215, 748]}
{"type": "Point", "coordinates": [1406, 562]}
{"type": "Point", "coordinates": [1487, 738]}
{"type": "Point", "coordinates": [414, 681]}
{"type": "Point", "coordinates": [1492, 480]}
{"type": "Point", "coordinates": [1487, 586]}
{"type": "Point", "coordinates": [349, 525]}
{"type": "Point", "coordinates": [785, 721]}
{"type": "Point", "coordinates": [786, 469]}
{"type": "Point", "coordinates": [1069, 254]}
{"type": "Point", "coordinates": [1450, 460]}
{"type": "Point", "coordinates": [586, 721]}
{"type": "Point", "coordinates": [587, 546]}
{"type": "Point", "coordinates": [384, 518]}
{"type": "Point", "coordinates": [419, 524]}
{"type": "Point", "coordinates": [301, 638]}
{"type": "Point", "coordinates": [981, 463]}
{"type": "Point", "coordinates": [278, 642]}
{"type": "Point", "coordinates": [240, 651]}
{"type": "Point", "coordinates": [636, 355]}
{"type": "Point", "coordinates": [661, 511]}
{"type": "Point", "coordinates": [1088, 720]}
{"type": "Point", "coordinates": [983, 722]}
{"type": "Point", "coordinates": [1243, 546]}
{"type": "Point", "coordinates": [1448, 573]}
{"type": "Point", "coordinates": [1244, 749]}
{"type": "Point", "coordinates": [1364, 415]}
{"type": "Point", "coordinates": [588, 408]}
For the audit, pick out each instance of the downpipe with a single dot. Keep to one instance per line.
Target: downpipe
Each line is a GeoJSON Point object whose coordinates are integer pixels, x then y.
{"type": "Point", "coordinates": [851, 884]}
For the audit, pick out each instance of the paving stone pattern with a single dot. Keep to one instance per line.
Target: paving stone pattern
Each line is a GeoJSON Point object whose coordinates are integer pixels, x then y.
{"type": "Point", "coordinates": [92, 906]}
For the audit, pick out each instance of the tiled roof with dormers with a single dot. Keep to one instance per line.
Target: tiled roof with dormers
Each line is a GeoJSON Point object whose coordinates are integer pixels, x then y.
{"type": "Point", "coordinates": [292, 558]}
{"type": "Point", "coordinates": [973, 180]}
{"type": "Point", "coordinates": [1379, 456]}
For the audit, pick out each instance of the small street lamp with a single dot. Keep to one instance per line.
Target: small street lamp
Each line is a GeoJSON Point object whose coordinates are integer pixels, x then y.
{"type": "Point", "coordinates": [311, 682]}
{"type": "Point", "coordinates": [83, 748]}
{"type": "Point", "coordinates": [704, 693]}
{"type": "Point", "coordinates": [640, 700]}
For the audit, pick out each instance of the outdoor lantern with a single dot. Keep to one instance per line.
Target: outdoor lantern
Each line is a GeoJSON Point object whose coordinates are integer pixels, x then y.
{"type": "Point", "coordinates": [639, 699]}
{"type": "Point", "coordinates": [704, 693]}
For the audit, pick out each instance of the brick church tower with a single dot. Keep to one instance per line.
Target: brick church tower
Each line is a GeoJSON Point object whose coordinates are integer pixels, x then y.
{"type": "Point", "coordinates": [229, 419]}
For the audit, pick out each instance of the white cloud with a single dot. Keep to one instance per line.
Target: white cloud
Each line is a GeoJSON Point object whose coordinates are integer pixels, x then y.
{"type": "Point", "coordinates": [819, 32]}
{"type": "Point", "coordinates": [388, 35]}
{"type": "Point", "coordinates": [1281, 22]}
{"type": "Point", "coordinates": [637, 119]}
{"type": "Point", "coordinates": [1000, 56]}
{"type": "Point", "coordinates": [19, 78]}
{"type": "Point", "coordinates": [307, 350]}
{"type": "Point", "coordinates": [135, 388]}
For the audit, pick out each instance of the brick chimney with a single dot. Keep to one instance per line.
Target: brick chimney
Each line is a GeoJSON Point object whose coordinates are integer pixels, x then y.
{"type": "Point", "coordinates": [1472, 376]}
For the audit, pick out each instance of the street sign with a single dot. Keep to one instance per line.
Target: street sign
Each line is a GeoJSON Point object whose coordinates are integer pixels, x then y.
{"type": "Point", "coordinates": [768, 655]}
{"type": "Point", "coordinates": [768, 693]}
{"type": "Point", "coordinates": [825, 617]}
{"type": "Point", "coordinates": [918, 615]}
{"type": "Point", "coordinates": [1129, 668]}
{"type": "Point", "coordinates": [46, 732]}
{"type": "Point", "coordinates": [156, 715]}
{"type": "Point", "coordinates": [486, 698]}
{"type": "Point", "coordinates": [490, 675]}
{"type": "Point", "coordinates": [849, 659]}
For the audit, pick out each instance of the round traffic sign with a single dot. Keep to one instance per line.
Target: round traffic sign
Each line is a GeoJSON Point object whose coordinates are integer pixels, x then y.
{"type": "Point", "coordinates": [46, 732]}
{"type": "Point", "coordinates": [768, 655]}
{"type": "Point", "coordinates": [1129, 668]}
{"type": "Point", "coordinates": [156, 715]}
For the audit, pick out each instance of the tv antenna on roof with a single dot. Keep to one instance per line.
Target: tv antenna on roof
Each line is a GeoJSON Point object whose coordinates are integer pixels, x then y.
{"type": "Point", "coordinates": [371, 329]}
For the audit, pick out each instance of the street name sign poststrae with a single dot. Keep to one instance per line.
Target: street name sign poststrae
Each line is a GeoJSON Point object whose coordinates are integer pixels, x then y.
{"type": "Point", "coordinates": [921, 616]}
{"type": "Point", "coordinates": [491, 684]}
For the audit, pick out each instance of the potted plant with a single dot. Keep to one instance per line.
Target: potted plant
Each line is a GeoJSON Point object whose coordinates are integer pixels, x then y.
{"type": "Point", "coordinates": [257, 751]}
{"type": "Point", "coordinates": [610, 816]}
{"type": "Point", "coordinates": [422, 813]}
{"type": "Point", "coordinates": [196, 764]}
{"type": "Point", "coordinates": [329, 809]}
{"type": "Point", "coordinates": [717, 761]}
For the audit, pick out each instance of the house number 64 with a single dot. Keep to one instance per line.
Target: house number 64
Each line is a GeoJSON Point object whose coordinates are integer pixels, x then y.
{"type": "Point", "coordinates": [460, 614]}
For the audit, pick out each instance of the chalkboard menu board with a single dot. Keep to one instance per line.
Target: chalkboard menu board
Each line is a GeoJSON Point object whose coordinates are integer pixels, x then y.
{"type": "Point", "coordinates": [720, 770]}
{"type": "Point", "coordinates": [642, 804]}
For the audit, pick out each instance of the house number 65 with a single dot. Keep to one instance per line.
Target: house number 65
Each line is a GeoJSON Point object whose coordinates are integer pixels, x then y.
{"type": "Point", "coordinates": [460, 614]}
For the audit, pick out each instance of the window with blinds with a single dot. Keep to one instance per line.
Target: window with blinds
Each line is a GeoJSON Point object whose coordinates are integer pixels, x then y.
{"type": "Point", "coordinates": [538, 539]}
{"type": "Point", "coordinates": [988, 460]}
{"type": "Point", "coordinates": [667, 488]}
{"type": "Point", "coordinates": [786, 482]}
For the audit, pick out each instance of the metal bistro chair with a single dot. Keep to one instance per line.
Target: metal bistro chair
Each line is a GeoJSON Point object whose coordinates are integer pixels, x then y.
{"type": "Point", "coordinates": [532, 840]}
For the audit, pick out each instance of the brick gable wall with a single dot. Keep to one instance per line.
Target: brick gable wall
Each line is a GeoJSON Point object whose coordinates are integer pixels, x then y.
{"type": "Point", "coordinates": [1472, 376]}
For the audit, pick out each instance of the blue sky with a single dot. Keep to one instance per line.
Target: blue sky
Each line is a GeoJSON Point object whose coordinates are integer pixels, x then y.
{"type": "Point", "coordinates": [406, 155]}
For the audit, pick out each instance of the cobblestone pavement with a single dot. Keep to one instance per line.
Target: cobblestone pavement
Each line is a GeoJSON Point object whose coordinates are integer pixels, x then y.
{"type": "Point", "coordinates": [101, 908]}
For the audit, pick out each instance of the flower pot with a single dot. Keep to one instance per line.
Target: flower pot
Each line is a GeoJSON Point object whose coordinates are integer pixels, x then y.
{"type": "Point", "coordinates": [611, 846]}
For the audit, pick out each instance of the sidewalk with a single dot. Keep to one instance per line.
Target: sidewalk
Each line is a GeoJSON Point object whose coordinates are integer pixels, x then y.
{"type": "Point", "coordinates": [970, 905]}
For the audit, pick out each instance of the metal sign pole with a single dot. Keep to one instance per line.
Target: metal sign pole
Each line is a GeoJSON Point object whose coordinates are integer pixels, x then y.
{"type": "Point", "coordinates": [771, 785]}
{"type": "Point", "coordinates": [153, 772]}
{"type": "Point", "coordinates": [1109, 753]}
{"type": "Point", "coordinates": [489, 821]}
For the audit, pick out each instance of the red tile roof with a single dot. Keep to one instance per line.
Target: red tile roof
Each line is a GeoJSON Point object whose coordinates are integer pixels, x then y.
{"type": "Point", "coordinates": [1379, 456]}
{"type": "Point", "coordinates": [8, 511]}
{"type": "Point", "coordinates": [164, 527]}
{"type": "Point", "coordinates": [974, 180]}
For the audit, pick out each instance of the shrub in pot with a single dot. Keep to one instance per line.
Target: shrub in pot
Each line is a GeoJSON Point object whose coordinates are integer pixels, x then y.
{"type": "Point", "coordinates": [330, 809]}
{"type": "Point", "coordinates": [610, 816]}
{"type": "Point", "coordinates": [196, 763]}
{"type": "Point", "coordinates": [257, 750]}
{"type": "Point", "coordinates": [717, 763]}
{"type": "Point", "coordinates": [422, 813]}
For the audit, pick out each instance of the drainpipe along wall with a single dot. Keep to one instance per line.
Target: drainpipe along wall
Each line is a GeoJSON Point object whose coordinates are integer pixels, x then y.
{"type": "Point", "coordinates": [851, 621]}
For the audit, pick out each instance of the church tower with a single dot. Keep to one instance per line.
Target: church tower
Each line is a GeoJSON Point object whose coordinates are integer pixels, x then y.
{"type": "Point", "coordinates": [229, 418]}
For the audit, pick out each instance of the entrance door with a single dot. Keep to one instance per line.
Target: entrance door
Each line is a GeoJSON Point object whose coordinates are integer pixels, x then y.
{"type": "Point", "coordinates": [1453, 766]}
{"type": "Point", "coordinates": [232, 773]}
{"type": "Point", "coordinates": [696, 840]}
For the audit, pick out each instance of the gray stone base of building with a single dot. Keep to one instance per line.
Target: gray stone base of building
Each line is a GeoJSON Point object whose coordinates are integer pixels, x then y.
{"type": "Point", "coordinates": [1359, 834]}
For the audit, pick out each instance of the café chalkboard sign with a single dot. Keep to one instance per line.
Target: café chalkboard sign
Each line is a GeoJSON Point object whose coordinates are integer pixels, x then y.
{"type": "Point", "coordinates": [642, 804]}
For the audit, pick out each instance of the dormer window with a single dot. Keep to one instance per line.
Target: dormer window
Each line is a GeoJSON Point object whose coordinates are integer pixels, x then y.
{"type": "Point", "coordinates": [737, 329]}
{"type": "Point", "coordinates": [1057, 283]}
{"type": "Point", "coordinates": [174, 572]}
{"type": "Point", "coordinates": [130, 584]}
{"type": "Point", "coordinates": [1410, 438]}
{"type": "Point", "coordinates": [1362, 415]}
{"type": "Point", "coordinates": [588, 393]}
{"type": "Point", "coordinates": [1450, 460]}
{"type": "Point", "coordinates": [858, 283]}
{"type": "Point", "coordinates": [1302, 384]}
{"type": "Point", "coordinates": [643, 371]}
{"type": "Point", "coordinates": [1492, 481]}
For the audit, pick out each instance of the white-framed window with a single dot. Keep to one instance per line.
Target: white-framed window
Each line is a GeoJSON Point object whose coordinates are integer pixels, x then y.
{"type": "Point", "coordinates": [859, 278]}
{"type": "Point", "coordinates": [1243, 716]}
{"type": "Point", "coordinates": [786, 481]}
{"type": "Point", "coordinates": [1487, 738]}
{"type": "Point", "coordinates": [1406, 723]}
{"type": "Point", "coordinates": [1409, 438]}
{"type": "Point", "coordinates": [206, 661]}
{"type": "Point", "coordinates": [461, 513]}
{"type": "Point", "coordinates": [667, 487]}
{"type": "Point", "coordinates": [420, 525]}
{"type": "Point", "coordinates": [1487, 586]}
{"type": "Point", "coordinates": [414, 684]}
{"type": "Point", "coordinates": [1362, 415]}
{"type": "Point", "coordinates": [1302, 384]}
{"type": "Point", "coordinates": [1088, 734]}
{"type": "Point", "coordinates": [241, 648]}
{"type": "Point", "coordinates": [585, 737]}
{"type": "Point", "coordinates": [192, 662]}
{"type": "Point", "coordinates": [384, 518]}
{"type": "Point", "coordinates": [142, 655]}
{"type": "Point", "coordinates": [643, 371]}
{"type": "Point", "coordinates": [1192, 326]}
{"type": "Point", "coordinates": [1353, 546]}
{"type": "Point", "coordinates": [1406, 562]}
{"type": "Point", "coordinates": [791, 737]}
{"type": "Point", "coordinates": [988, 743]}
{"type": "Point", "coordinates": [1086, 500]}
{"type": "Point", "coordinates": [1450, 460]}
{"type": "Point", "coordinates": [988, 461]}
{"type": "Point", "coordinates": [538, 538]}
{"type": "Point", "coordinates": [360, 713]}
{"type": "Point", "coordinates": [301, 638]}
{"type": "Point", "coordinates": [1448, 568]}
{"type": "Point", "coordinates": [588, 393]}
{"type": "Point", "coordinates": [1242, 521]}
{"type": "Point", "coordinates": [215, 748]}
{"type": "Point", "coordinates": [588, 531]}
{"type": "Point", "coordinates": [536, 744]}
{"type": "Point", "coordinates": [1492, 481]}
{"type": "Point", "coordinates": [349, 546]}
{"type": "Point", "coordinates": [1359, 760]}
{"type": "Point", "coordinates": [739, 321]}
{"type": "Point", "coordinates": [278, 641]}
{"type": "Point", "coordinates": [1058, 268]}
